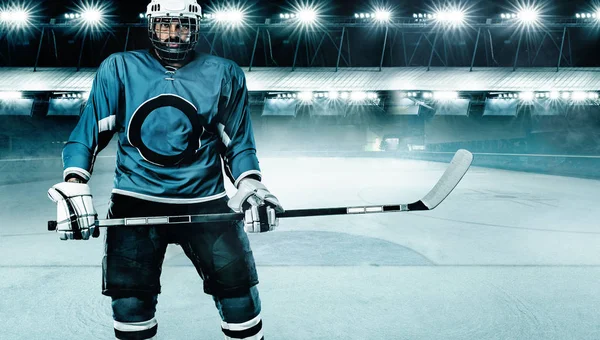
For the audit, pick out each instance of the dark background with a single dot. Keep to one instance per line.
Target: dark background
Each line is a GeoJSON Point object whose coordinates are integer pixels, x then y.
{"type": "Point", "coordinates": [495, 48]}
{"type": "Point", "coordinates": [570, 134]}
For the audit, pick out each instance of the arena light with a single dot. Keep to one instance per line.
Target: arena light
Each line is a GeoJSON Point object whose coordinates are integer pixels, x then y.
{"type": "Point", "coordinates": [554, 95]}
{"type": "Point", "coordinates": [358, 96]}
{"type": "Point", "coordinates": [508, 16]}
{"type": "Point", "coordinates": [372, 96]}
{"type": "Point", "coordinates": [586, 15]}
{"type": "Point", "coordinates": [380, 15]}
{"type": "Point", "coordinates": [528, 16]}
{"type": "Point", "coordinates": [287, 16]}
{"type": "Point", "coordinates": [579, 96]}
{"type": "Point", "coordinates": [307, 15]}
{"type": "Point", "coordinates": [333, 95]}
{"type": "Point", "coordinates": [20, 16]}
{"type": "Point", "coordinates": [10, 95]}
{"type": "Point", "coordinates": [565, 95]}
{"type": "Point", "coordinates": [593, 95]}
{"type": "Point", "coordinates": [526, 96]}
{"type": "Point", "coordinates": [383, 15]}
{"type": "Point", "coordinates": [421, 17]}
{"type": "Point", "coordinates": [454, 17]}
{"type": "Point", "coordinates": [92, 16]}
{"type": "Point", "coordinates": [230, 16]}
{"type": "Point", "coordinates": [305, 96]}
{"type": "Point", "coordinates": [15, 16]}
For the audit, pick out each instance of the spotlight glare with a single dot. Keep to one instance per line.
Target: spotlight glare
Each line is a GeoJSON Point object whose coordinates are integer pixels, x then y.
{"type": "Point", "coordinates": [20, 16]}
{"type": "Point", "coordinates": [579, 96]}
{"type": "Point", "coordinates": [528, 16]}
{"type": "Point", "coordinates": [232, 16]}
{"type": "Point", "coordinates": [358, 96]}
{"type": "Point", "coordinates": [11, 95]}
{"type": "Point", "coordinates": [554, 95]}
{"type": "Point", "coordinates": [526, 96]}
{"type": "Point", "coordinates": [382, 15]}
{"type": "Point", "coordinates": [307, 15]}
{"type": "Point", "coordinates": [305, 96]}
{"type": "Point", "coordinates": [92, 16]}
{"type": "Point", "coordinates": [16, 15]}
{"type": "Point", "coordinates": [450, 17]}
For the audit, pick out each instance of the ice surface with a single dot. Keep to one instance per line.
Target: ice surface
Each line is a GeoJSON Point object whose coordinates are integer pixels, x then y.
{"type": "Point", "coordinates": [508, 255]}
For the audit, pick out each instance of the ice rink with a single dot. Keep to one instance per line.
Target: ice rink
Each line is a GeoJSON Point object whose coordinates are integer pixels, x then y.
{"type": "Point", "coordinates": [508, 255]}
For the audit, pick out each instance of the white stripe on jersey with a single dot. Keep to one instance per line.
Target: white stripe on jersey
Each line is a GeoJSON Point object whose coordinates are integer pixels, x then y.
{"type": "Point", "coordinates": [169, 200]}
{"type": "Point", "coordinates": [224, 137]}
{"type": "Point", "coordinates": [107, 124]}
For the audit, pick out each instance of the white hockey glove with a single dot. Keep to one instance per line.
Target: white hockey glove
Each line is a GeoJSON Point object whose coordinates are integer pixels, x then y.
{"type": "Point", "coordinates": [258, 204]}
{"type": "Point", "coordinates": [76, 216]}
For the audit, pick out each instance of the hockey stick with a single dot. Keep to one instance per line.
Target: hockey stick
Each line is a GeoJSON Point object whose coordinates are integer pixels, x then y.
{"type": "Point", "coordinates": [452, 176]}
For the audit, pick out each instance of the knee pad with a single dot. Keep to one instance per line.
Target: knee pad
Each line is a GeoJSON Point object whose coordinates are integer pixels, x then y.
{"type": "Point", "coordinates": [234, 278]}
{"type": "Point", "coordinates": [134, 317]}
{"type": "Point", "coordinates": [241, 315]}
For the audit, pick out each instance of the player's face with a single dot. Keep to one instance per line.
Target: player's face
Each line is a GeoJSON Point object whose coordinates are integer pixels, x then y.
{"type": "Point", "coordinates": [172, 30]}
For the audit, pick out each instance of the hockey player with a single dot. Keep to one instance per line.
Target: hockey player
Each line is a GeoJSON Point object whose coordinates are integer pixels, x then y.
{"type": "Point", "coordinates": [180, 116]}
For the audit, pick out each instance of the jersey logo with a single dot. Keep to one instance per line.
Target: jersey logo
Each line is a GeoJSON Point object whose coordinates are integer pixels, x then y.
{"type": "Point", "coordinates": [134, 132]}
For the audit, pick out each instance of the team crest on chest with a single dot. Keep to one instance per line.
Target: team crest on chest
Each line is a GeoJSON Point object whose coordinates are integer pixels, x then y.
{"type": "Point", "coordinates": [134, 131]}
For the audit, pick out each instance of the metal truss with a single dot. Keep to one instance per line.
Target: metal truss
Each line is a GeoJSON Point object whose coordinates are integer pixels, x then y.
{"type": "Point", "coordinates": [403, 43]}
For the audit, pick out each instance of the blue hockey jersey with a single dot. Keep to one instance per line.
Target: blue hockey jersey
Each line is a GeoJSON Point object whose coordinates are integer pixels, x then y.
{"type": "Point", "coordinates": [176, 128]}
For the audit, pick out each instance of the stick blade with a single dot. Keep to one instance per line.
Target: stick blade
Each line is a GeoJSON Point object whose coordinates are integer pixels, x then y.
{"type": "Point", "coordinates": [454, 173]}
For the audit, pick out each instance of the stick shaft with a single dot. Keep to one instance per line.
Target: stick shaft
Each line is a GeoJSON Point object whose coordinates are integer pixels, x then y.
{"type": "Point", "coordinates": [227, 217]}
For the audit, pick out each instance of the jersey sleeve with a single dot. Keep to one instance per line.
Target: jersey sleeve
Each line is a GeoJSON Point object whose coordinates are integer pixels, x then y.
{"type": "Point", "coordinates": [235, 128]}
{"type": "Point", "coordinates": [96, 125]}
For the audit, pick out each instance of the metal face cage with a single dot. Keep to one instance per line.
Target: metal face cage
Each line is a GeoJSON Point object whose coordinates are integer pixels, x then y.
{"type": "Point", "coordinates": [173, 37]}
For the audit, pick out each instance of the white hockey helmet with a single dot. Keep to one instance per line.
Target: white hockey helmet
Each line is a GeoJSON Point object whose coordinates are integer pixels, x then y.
{"type": "Point", "coordinates": [187, 14]}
